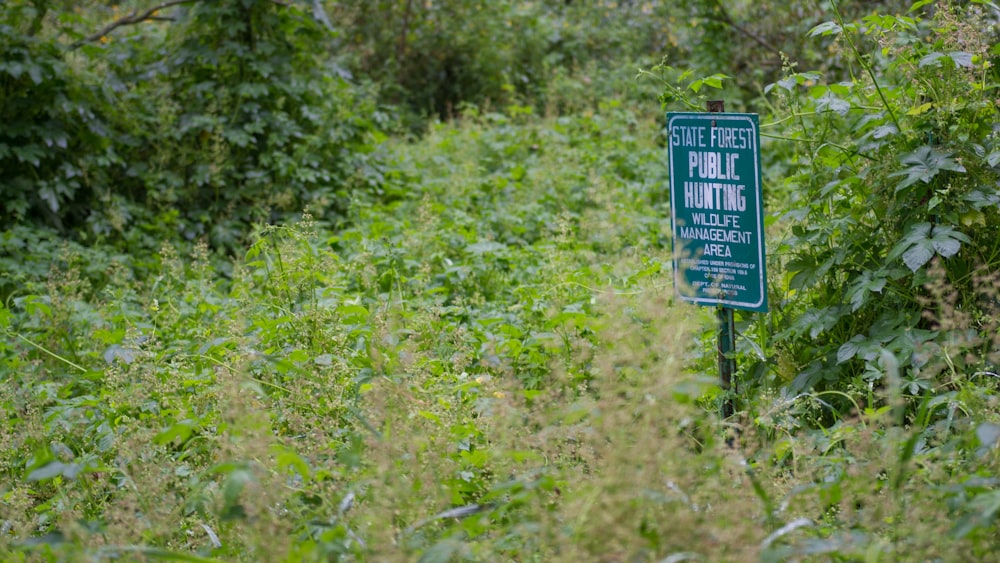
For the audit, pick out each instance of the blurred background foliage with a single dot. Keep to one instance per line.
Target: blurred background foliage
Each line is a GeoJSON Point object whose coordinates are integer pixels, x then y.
{"type": "Point", "coordinates": [126, 123]}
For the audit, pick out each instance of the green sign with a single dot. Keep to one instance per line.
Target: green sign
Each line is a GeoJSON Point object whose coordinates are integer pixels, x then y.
{"type": "Point", "coordinates": [716, 209]}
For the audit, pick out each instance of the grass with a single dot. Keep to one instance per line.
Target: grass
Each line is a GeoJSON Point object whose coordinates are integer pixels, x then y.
{"type": "Point", "coordinates": [491, 368]}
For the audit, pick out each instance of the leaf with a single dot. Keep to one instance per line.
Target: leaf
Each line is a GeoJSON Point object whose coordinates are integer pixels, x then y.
{"type": "Point", "coordinates": [884, 131]}
{"type": "Point", "coordinates": [961, 58]}
{"type": "Point", "coordinates": [816, 321]}
{"type": "Point", "coordinates": [807, 378]}
{"type": "Point", "coordinates": [983, 510]}
{"type": "Point", "coordinates": [831, 102]}
{"type": "Point", "coordinates": [55, 469]}
{"type": "Point", "coordinates": [238, 476]}
{"type": "Point", "coordinates": [36, 74]}
{"type": "Point", "coordinates": [947, 241]}
{"type": "Point", "coordinates": [784, 530]}
{"type": "Point", "coordinates": [980, 199]}
{"type": "Point", "coordinates": [869, 282]}
{"type": "Point", "coordinates": [115, 351]}
{"type": "Point", "coordinates": [289, 459]}
{"type": "Point", "coordinates": [923, 240]}
{"type": "Point", "coordinates": [49, 196]}
{"type": "Point", "coordinates": [988, 434]}
{"type": "Point", "coordinates": [485, 247]}
{"type": "Point", "coordinates": [715, 81]}
{"type": "Point", "coordinates": [826, 28]}
{"type": "Point", "coordinates": [429, 416]}
{"type": "Point", "coordinates": [924, 164]}
{"type": "Point", "coordinates": [13, 68]}
{"type": "Point", "coordinates": [931, 59]}
{"type": "Point", "coordinates": [298, 356]}
{"type": "Point", "coordinates": [850, 348]}
{"type": "Point", "coordinates": [212, 536]}
{"type": "Point", "coordinates": [352, 313]}
{"type": "Point", "coordinates": [917, 256]}
{"type": "Point", "coordinates": [180, 431]}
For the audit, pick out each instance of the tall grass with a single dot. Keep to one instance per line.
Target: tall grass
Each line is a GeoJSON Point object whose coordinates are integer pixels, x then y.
{"type": "Point", "coordinates": [492, 369]}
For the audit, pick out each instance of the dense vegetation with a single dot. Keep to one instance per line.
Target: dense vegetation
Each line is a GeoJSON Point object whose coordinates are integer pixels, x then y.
{"type": "Point", "coordinates": [315, 280]}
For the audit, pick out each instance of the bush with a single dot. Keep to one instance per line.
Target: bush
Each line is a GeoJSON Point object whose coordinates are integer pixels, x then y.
{"type": "Point", "coordinates": [227, 116]}
{"type": "Point", "coordinates": [894, 192]}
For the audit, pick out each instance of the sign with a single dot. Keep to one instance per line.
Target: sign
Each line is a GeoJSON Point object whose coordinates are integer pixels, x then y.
{"type": "Point", "coordinates": [716, 209]}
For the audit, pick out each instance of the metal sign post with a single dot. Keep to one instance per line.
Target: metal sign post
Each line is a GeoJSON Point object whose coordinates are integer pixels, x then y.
{"type": "Point", "coordinates": [716, 211]}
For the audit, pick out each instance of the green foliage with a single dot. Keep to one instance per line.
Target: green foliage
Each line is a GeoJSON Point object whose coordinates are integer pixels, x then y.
{"type": "Point", "coordinates": [225, 117]}
{"type": "Point", "coordinates": [437, 57]}
{"type": "Point", "coordinates": [485, 360]}
{"type": "Point", "coordinates": [283, 402]}
{"type": "Point", "coordinates": [894, 194]}
{"type": "Point", "coordinates": [49, 128]}
{"type": "Point", "coordinates": [251, 126]}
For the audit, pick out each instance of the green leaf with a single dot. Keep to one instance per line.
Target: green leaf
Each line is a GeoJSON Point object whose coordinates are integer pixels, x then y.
{"type": "Point", "coordinates": [979, 198]}
{"type": "Point", "coordinates": [297, 356]}
{"type": "Point", "coordinates": [924, 164]}
{"type": "Point", "coordinates": [922, 108]}
{"type": "Point", "coordinates": [55, 469]}
{"type": "Point", "coordinates": [13, 68]}
{"type": "Point", "coordinates": [850, 348]}
{"type": "Point", "coordinates": [923, 240]}
{"type": "Point", "coordinates": [961, 58]}
{"type": "Point", "coordinates": [429, 416]}
{"type": "Point", "coordinates": [287, 458]}
{"type": "Point", "coordinates": [352, 313]}
{"type": "Point", "coordinates": [832, 103]}
{"type": "Point", "coordinates": [118, 352]}
{"type": "Point", "coordinates": [859, 290]}
{"type": "Point", "coordinates": [826, 28]}
{"type": "Point", "coordinates": [917, 256]}
{"type": "Point", "coordinates": [485, 247]}
{"type": "Point", "coordinates": [884, 131]}
{"type": "Point", "coordinates": [947, 241]}
{"type": "Point", "coordinates": [238, 476]}
{"type": "Point", "coordinates": [982, 511]}
{"type": "Point", "coordinates": [180, 431]}
{"type": "Point", "coordinates": [988, 434]}
{"type": "Point", "coordinates": [715, 81]}
{"type": "Point", "coordinates": [931, 59]}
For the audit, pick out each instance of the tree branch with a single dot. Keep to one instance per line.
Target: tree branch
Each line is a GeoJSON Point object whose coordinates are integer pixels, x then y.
{"type": "Point", "coordinates": [135, 17]}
